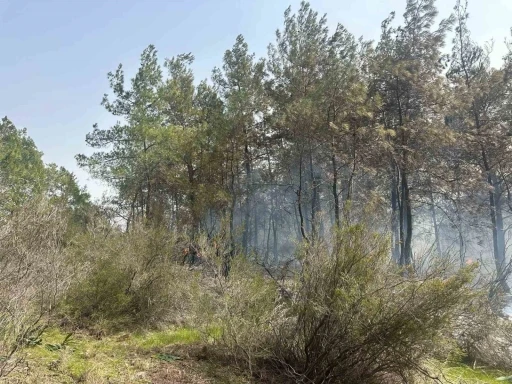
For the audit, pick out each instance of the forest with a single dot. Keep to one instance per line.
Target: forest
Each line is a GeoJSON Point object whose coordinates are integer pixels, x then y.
{"type": "Point", "coordinates": [338, 211]}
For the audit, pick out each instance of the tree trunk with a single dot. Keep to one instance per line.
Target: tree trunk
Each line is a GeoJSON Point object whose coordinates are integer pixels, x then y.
{"type": "Point", "coordinates": [274, 245]}
{"type": "Point", "coordinates": [229, 255]}
{"type": "Point", "coordinates": [315, 199]}
{"type": "Point", "coordinates": [299, 203]}
{"type": "Point", "coordinates": [148, 211]}
{"type": "Point", "coordinates": [247, 224]}
{"type": "Point", "coordinates": [267, 248]}
{"type": "Point", "coordinates": [335, 191]}
{"type": "Point", "coordinates": [401, 209]}
{"type": "Point", "coordinates": [498, 233]}
{"type": "Point", "coordinates": [498, 237]}
{"type": "Point", "coordinates": [434, 221]}
{"type": "Point", "coordinates": [395, 233]}
{"type": "Point", "coordinates": [255, 228]}
{"type": "Point", "coordinates": [462, 245]}
{"type": "Point", "coordinates": [406, 256]}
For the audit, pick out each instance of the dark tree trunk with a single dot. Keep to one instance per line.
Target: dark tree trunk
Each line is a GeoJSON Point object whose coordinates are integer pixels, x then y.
{"type": "Point", "coordinates": [462, 245]}
{"type": "Point", "coordinates": [335, 194]}
{"type": "Point", "coordinates": [299, 202]}
{"type": "Point", "coordinates": [256, 223]}
{"type": "Point", "coordinates": [229, 255]}
{"type": "Point", "coordinates": [315, 198]}
{"type": "Point", "coordinates": [395, 233]}
{"type": "Point", "coordinates": [274, 245]}
{"type": "Point", "coordinates": [247, 223]}
{"type": "Point", "coordinates": [267, 248]}
{"type": "Point", "coordinates": [498, 237]}
{"type": "Point", "coordinates": [406, 222]}
{"type": "Point", "coordinates": [148, 198]}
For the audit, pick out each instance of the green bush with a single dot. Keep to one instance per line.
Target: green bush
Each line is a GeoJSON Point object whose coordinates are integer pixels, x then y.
{"type": "Point", "coordinates": [355, 318]}
{"type": "Point", "coordinates": [125, 280]}
{"type": "Point", "coordinates": [348, 315]}
{"type": "Point", "coordinates": [102, 295]}
{"type": "Point", "coordinates": [246, 312]}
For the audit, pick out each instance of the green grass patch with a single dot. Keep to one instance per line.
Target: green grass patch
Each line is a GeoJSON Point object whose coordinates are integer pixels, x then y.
{"type": "Point", "coordinates": [214, 332]}
{"type": "Point", "coordinates": [60, 358]}
{"type": "Point", "coordinates": [467, 375]}
{"type": "Point", "coordinates": [161, 339]}
{"type": "Point", "coordinates": [128, 358]}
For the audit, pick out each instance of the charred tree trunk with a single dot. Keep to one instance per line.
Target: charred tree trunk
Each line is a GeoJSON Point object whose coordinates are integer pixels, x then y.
{"type": "Point", "coordinates": [406, 205]}
{"type": "Point", "coordinates": [395, 216]}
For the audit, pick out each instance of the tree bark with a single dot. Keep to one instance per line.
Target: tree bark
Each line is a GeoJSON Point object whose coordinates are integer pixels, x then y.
{"type": "Point", "coordinates": [315, 199]}
{"type": "Point", "coordinates": [395, 233]}
{"type": "Point", "coordinates": [406, 257]}
{"type": "Point", "coordinates": [434, 221]}
{"type": "Point", "coordinates": [498, 237]}
{"type": "Point", "coordinates": [500, 258]}
{"type": "Point", "coordinates": [247, 224]}
{"type": "Point", "coordinates": [299, 202]}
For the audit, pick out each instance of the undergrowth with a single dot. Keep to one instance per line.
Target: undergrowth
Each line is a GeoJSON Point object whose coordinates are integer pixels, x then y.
{"type": "Point", "coordinates": [153, 357]}
{"type": "Point", "coordinates": [119, 358]}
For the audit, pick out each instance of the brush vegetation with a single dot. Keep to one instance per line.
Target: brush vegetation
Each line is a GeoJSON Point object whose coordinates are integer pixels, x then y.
{"type": "Point", "coordinates": [335, 213]}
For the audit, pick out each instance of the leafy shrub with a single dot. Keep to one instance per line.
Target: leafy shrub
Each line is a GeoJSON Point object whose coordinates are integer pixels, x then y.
{"type": "Point", "coordinates": [125, 280]}
{"type": "Point", "coordinates": [347, 316]}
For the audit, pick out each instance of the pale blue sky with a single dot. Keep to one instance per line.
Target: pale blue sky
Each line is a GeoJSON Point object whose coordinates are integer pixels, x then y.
{"type": "Point", "coordinates": [55, 54]}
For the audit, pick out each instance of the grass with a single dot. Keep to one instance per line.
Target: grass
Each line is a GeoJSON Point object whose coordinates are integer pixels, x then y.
{"type": "Point", "coordinates": [151, 340]}
{"type": "Point", "coordinates": [121, 358]}
{"type": "Point", "coordinates": [156, 357]}
{"type": "Point", "coordinates": [466, 374]}
{"type": "Point", "coordinates": [80, 359]}
{"type": "Point", "coordinates": [459, 373]}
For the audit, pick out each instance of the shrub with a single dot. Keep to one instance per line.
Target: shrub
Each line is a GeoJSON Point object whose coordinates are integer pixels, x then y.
{"type": "Point", "coordinates": [125, 280]}
{"type": "Point", "coordinates": [245, 314]}
{"type": "Point", "coordinates": [32, 276]}
{"type": "Point", "coordinates": [235, 311]}
{"type": "Point", "coordinates": [485, 337]}
{"type": "Point", "coordinates": [355, 318]}
{"type": "Point", "coordinates": [348, 315]}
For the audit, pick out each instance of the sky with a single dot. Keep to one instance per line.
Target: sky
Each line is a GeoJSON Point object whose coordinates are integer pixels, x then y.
{"type": "Point", "coordinates": [55, 54]}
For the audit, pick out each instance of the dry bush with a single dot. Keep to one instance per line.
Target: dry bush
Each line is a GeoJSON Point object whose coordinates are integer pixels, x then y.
{"type": "Point", "coordinates": [348, 316]}
{"type": "Point", "coordinates": [245, 312]}
{"type": "Point", "coordinates": [485, 336]}
{"type": "Point", "coordinates": [355, 318]}
{"type": "Point", "coordinates": [32, 276]}
{"type": "Point", "coordinates": [236, 311]}
{"type": "Point", "coordinates": [125, 280]}
{"type": "Point", "coordinates": [490, 344]}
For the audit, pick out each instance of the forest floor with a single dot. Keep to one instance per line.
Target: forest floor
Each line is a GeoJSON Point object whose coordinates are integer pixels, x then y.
{"type": "Point", "coordinates": [174, 356]}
